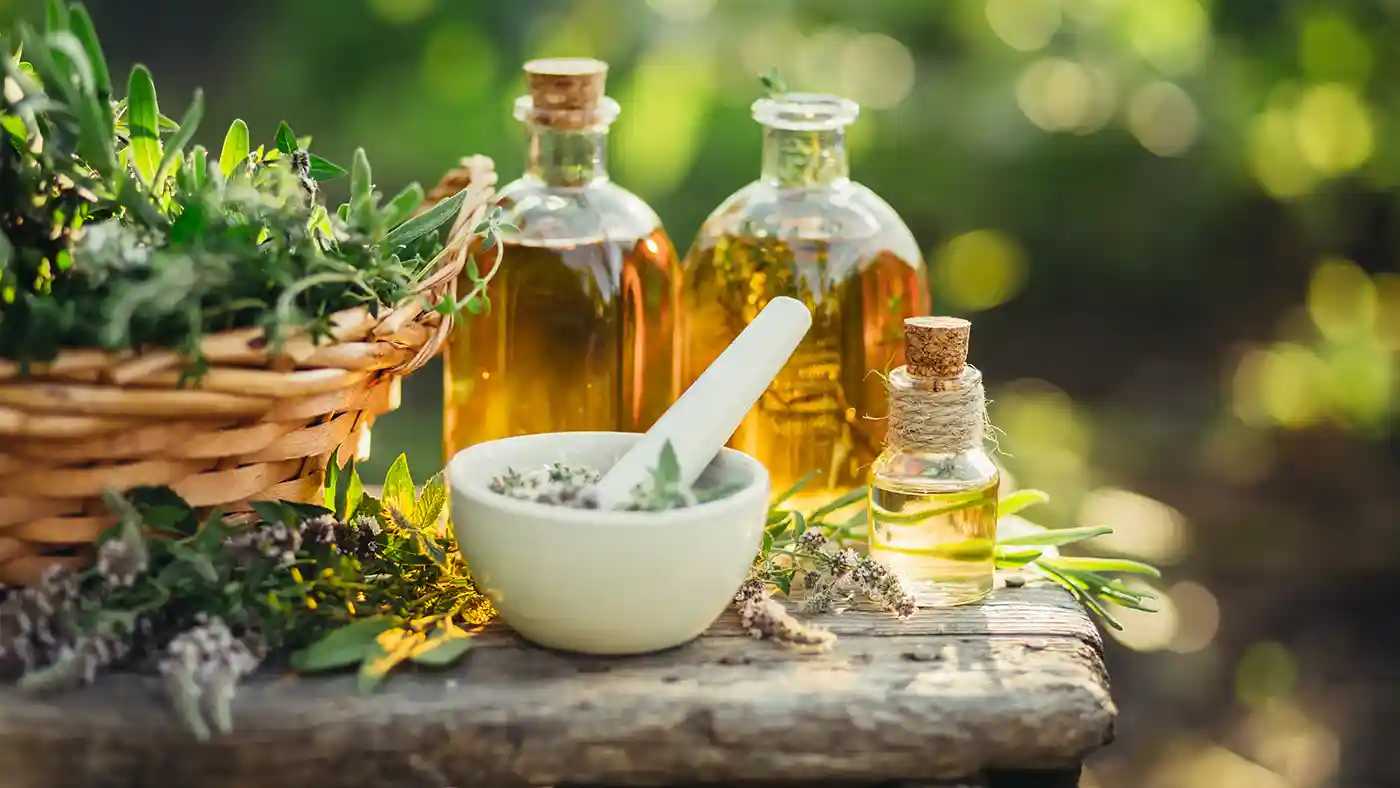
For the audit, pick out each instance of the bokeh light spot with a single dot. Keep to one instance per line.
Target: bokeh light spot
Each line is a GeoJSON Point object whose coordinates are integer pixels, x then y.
{"type": "Point", "coordinates": [1334, 129]}
{"type": "Point", "coordinates": [1198, 617]}
{"type": "Point", "coordinates": [1331, 48]}
{"type": "Point", "coordinates": [1280, 735]}
{"type": "Point", "coordinates": [1025, 25]}
{"type": "Point", "coordinates": [1266, 672]}
{"type": "Point", "coordinates": [980, 269]}
{"type": "Point", "coordinates": [1056, 94]}
{"type": "Point", "coordinates": [1143, 527]}
{"type": "Point", "coordinates": [1173, 35]}
{"type": "Point", "coordinates": [1342, 299]}
{"type": "Point", "coordinates": [1275, 156]}
{"type": "Point", "coordinates": [458, 63]}
{"type": "Point", "coordinates": [665, 105]}
{"type": "Point", "coordinates": [1290, 385]}
{"type": "Point", "coordinates": [878, 71]}
{"type": "Point", "coordinates": [1163, 118]}
{"type": "Point", "coordinates": [1144, 631]}
{"type": "Point", "coordinates": [402, 12]}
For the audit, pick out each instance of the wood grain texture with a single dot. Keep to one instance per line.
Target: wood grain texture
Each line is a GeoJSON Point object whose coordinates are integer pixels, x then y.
{"type": "Point", "coordinates": [1017, 683]}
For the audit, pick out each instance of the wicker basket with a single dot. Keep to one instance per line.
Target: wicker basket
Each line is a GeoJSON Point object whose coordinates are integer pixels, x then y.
{"type": "Point", "coordinates": [257, 426]}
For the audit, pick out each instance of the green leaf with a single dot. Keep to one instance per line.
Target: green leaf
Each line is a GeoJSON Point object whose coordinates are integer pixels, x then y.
{"type": "Point", "coordinates": [361, 191]}
{"type": "Point", "coordinates": [61, 63]}
{"type": "Point", "coordinates": [323, 170]}
{"type": "Point", "coordinates": [668, 467]}
{"type": "Point", "coordinates": [431, 502]}
{"type": "Point", "coordinates": [425, 222]}
{"type": "Point", "coordinates": [174, 148]}
{"type": "Point", "coordinates": [403, 205]}
{"type": "Point", "coordinates": [274, 511]}
{"type": "Point", "coordinates": [399, 491]}
{"type": "Point", "coordinates": [1056, 537]}
{"type": "Point", "coordinates": [200, 562]}
{"type": "Point", "coordinates": [286, 139]}
{"type": "Point", "coordinates": [784, 580]}
{"type": "Point", "coordinates": [343, 647]}
{"type": "Point", "coordinates": [235, 150]}
{"type": "Point", "coordinates": [54, 18]}
{"type": "Point", "coordinates": [1019, 500]}
{"type": "Point", "coordinates": [1011, 559]}
{"type": "Point", "coordinates": [354, 494]}
{"type": "Point", "coordinates": [80, 23]}
{"type": "Point", "coordinates": [199, 167]}
{"type": "Point", "coordinates": [444, 646]}
{"type": "Point", "coordinates": [1088, 564]}
{"type": "Point", "coordinates": [141, 119]}
{"type": "Point", "coordinates": [342, 494]}
{"type": "Point", "coordinates": [331, 488]}
{"type": "Point", "coordinates": [795, 488]}
{"type": "Point", "coordinates": [854, 496]}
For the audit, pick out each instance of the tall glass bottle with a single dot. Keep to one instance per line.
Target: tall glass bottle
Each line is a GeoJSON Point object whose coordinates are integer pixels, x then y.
{"type": "Point", "coordinates": [581, 329]}
{"type": "Point", "coordinates": [804, 229]}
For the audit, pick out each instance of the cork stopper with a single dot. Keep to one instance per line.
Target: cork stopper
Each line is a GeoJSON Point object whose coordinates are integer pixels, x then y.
{"type": "Point", "coordinates": [565, 91]}
{"type": "Point", "coordinates": [936, 347]}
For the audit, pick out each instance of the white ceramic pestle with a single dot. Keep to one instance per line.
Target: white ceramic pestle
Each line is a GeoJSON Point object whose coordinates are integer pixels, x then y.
{"type": "Point", "coordinates": [708, 413]}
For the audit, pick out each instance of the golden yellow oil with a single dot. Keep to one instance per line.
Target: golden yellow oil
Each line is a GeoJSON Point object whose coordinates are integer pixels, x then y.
{"type": "Point", "coordinates": [825, 409]}
{"type": "Point", "coordinates": [580, 336]}
{"type": "Point", "coordinates": [940, 541]}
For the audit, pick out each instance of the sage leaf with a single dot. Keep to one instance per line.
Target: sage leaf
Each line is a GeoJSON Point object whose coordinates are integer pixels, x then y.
{"type": "Point", "coordinates": [361, 192]}
{"type": "Point", "coordinates": [668, 467]}
{"type": "Point", "coordinates": [403, 205]}
{"type": "Point", "coordinates": [286, 139]}
{"type": "Point", "coordinates": [332, 481]}
{"type": "Point", "coordinates": [1019, 500]}
{"type": "Point", "coordinates": [80, 24]}
{"type": "Point", "coordinates": [235, 150]}
{"type": "Point", "coordinates": [424, 223]}
{"type": "Point", "coordinates": [323, 170]}
{"type": "Point", "coordinates": [343, 647]}
{"type": "Point", "coordinates": [175, 147]}
{"type": "Point", "coordinates": [141, 121]}
{"type": "Point", "coordinates": [354, 494]}
{"type": "Point", "coordinates": [197, 561]}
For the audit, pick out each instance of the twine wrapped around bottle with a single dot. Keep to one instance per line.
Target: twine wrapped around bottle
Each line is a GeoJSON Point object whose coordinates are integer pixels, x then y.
{"type": "Point", "coordinates": [939, 420]}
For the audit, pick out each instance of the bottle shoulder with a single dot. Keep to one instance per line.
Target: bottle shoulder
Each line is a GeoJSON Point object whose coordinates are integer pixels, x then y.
{"type": "Point", "coordinates": [847, 211]}
{"type": "Point", "coordinates": [598, 211]}
{"type": "Point", "coordinates": [924, 472]}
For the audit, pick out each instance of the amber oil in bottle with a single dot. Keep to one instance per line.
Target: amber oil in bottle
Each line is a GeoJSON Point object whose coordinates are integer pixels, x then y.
{"type": "Point", "coordinates": [581, 329]}
{"type": "Point", "coordinates": [934, 492]}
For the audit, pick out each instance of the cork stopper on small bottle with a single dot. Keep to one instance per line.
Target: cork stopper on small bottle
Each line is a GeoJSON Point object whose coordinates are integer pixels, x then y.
{"type": "Point", "coordinates": [566, 91]}
{"type": "Point", "coordinates": [936, 347]}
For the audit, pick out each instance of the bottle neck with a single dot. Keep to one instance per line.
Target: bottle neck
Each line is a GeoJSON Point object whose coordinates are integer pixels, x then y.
{"type": "Point", "coordinates": [805, 158]}
{"type": "Point", "coordinates": [570, 157]}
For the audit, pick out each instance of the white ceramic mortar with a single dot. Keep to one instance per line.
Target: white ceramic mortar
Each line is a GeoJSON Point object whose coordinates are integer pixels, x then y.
{"type": "Point", "coordinates": [599, 581]}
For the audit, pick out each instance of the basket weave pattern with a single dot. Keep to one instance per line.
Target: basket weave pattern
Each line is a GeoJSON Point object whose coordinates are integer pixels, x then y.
{"type": "Point", "coordinates": [259, 425]}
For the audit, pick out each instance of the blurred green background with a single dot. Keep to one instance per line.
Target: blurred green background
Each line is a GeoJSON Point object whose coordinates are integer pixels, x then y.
{"type": "Point", "coordinates": [1172, 221]}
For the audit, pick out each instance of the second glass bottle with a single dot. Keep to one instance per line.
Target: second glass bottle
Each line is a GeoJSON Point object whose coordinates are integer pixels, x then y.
{"type": "Point", "coordinates": [804, 229]}
{"type": "Point", "coordinates": [581, 330]}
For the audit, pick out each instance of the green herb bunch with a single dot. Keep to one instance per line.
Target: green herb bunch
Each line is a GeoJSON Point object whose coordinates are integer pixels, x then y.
{"type": "Point", "coordinates": [203, 601]}
{"type": "Point", "coordinates": [118, 232]}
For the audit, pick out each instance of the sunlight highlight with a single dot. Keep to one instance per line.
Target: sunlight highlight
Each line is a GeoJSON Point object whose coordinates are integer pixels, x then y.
{"type": "Point", "coordinates": [1334, 129]}
{"type": "Point", "coordinates": [1024, 25]}
{"type": "Point", "coordinates": [1172, 35]}
{"type": "Point", "coordinates": [1056, 94]}
{"type": "Point", "coordinates": [1342, 300]}
{"type": "Point", "coordinates": [980, 269]}
{"type": "Point", "coordinates": [1198, 617]}
{"type": "Point", "coordinates": [1143, 527]}
{"type": "Point", "coordinates": [1163, 118]}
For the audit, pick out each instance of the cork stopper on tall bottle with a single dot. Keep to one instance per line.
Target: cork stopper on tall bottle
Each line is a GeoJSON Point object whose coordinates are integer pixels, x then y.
{"type": "Point", "coordinates": [566, 91]}
{"type": "Point", "coordinates": [936, 347]}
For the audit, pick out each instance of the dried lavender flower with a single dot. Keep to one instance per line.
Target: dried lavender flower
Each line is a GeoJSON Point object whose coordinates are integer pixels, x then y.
{"type": "Point", "coordinates": [811, 541]}
{"type": "Point", "coordinates": [751, 588]}
{"type": "Point", "coordinates": [843, 561]}
{"type": "Point", "coordinates": [119, 565]}
{"type": "Point", "coordinates": [765, 617]}
{"type": "Point", "coordinates": [202, 667]}
{"type": "Point", "coordinates": [820, 598]}
{"type": "Point", "coordinates": [273, 541]}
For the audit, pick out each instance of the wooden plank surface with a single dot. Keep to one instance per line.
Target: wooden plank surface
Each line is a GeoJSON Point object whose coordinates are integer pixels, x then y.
{"type": "Point", "coordinates": [1016, 683]}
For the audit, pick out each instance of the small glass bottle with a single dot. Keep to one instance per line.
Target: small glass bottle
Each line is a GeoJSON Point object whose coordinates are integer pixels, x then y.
{"type": "Point", "coordinates": [581, 329]}
{"type": "Point", "coordinates": [933, 498]}
{"type": "Point", "coordinates": [804, 229]}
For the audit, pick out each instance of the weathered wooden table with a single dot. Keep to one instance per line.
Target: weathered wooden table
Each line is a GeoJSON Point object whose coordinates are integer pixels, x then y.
{"type": "Point", "coordinates": [1008, 692]}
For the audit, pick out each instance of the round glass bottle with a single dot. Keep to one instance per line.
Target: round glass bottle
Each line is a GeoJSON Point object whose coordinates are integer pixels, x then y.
{"type": "Point", "coordinates": [804, 229]}
{"type": "Point", "coordinates": [580, 334]}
